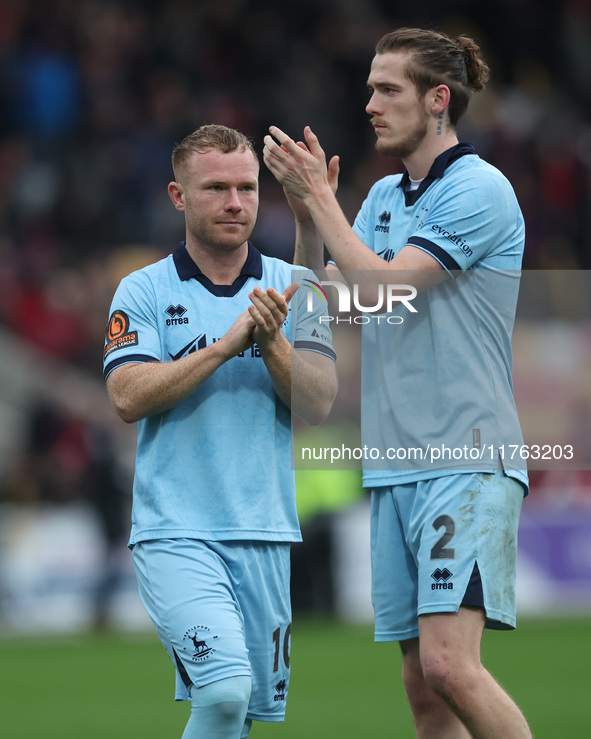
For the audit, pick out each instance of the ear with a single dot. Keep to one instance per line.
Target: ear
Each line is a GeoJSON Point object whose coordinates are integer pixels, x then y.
{"type": "Point", "coordinates": [177, 195]}
{"type": "Point", "coordinates": [438, 99]}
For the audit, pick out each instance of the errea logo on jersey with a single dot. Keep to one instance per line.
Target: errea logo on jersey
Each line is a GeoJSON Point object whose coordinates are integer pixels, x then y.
{"type": "Point", "coordinates": [384, 221]}
{"type": "Point", "coordinates": [175, 315]}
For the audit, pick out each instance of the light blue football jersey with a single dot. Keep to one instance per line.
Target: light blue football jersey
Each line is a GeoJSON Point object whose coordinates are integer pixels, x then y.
{"type": "Point", "coordinates": [218, 465]}
{"type": "Point", "coordinates": [439, 382]}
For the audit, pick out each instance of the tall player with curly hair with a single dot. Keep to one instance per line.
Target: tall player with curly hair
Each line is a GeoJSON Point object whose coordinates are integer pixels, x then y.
{"type": "Point", "coordinates": [444, 536]}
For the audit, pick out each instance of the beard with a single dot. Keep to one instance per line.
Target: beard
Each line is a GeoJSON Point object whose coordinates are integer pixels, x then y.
{"type": "Point", "coordinates": [406, 146]}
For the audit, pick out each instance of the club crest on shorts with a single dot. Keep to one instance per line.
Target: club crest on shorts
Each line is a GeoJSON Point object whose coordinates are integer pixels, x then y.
{"type": "Point", "coordinates": [197, 642]}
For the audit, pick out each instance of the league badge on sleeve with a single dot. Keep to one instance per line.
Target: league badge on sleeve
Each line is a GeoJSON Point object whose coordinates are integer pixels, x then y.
{"type": "Point", "coordinates": [118, 335]}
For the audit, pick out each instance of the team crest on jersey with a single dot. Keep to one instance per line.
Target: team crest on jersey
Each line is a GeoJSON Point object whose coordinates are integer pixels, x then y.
{"type": "Point", "coordinates": [198, 643]}
{"type": "Point", "coordinates": [118, 335]}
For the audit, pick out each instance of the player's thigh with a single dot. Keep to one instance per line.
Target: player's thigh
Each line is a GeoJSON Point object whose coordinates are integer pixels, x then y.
{"type": "Point", "coordinates": [464, 520]}
{"type": "Point", "coordinates": [189, 593]}
{"type": "Point", "coordinates": [394, 573]}
{"type": "Point", "coordinates": [457, 634]}
{"type": "Point", "coordinates": [264, 597]}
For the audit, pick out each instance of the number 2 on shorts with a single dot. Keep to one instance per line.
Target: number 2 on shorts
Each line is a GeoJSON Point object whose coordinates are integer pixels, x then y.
{"type": "Point", "coordinates": [441, 550]}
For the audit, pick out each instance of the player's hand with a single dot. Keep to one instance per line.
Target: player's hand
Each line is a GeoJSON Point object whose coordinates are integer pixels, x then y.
{"type": "Point", "coordinates": [269, 311]}
{"type": "Point", "coordinates": [300, 167]}
{"type": "Point", "coordinates": [239, 337]}
{"type": "Point", "coordinates": [300, 210]}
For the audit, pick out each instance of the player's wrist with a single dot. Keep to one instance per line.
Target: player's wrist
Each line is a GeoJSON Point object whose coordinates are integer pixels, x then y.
{"type": "Point", "coordinates": [305, 221]}
{"type": "Point", "coordinates": [274, 345]}
{"type": "Point", "coordinates": [318, 198]}
{"type": "Point", "coordinates": [224, 349]}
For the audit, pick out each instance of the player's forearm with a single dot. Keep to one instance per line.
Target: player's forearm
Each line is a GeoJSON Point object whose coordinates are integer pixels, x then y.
{"type": "Point", "coordinates": [343, 244]}
{"type": "Point", "coordinates": [415, 268]}
{"type": "Point", "coordinates": [141, 390]}
{"type": "Point", "coordinates": [314, 386]}
{"type": "Point", "coordinates": [309, 246]}
{"type": "Point", "coordinates": [306, 384]}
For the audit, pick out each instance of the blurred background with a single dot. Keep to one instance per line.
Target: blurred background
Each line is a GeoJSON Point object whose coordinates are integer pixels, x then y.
{"type": "Point", "coordinates": [94, 95]}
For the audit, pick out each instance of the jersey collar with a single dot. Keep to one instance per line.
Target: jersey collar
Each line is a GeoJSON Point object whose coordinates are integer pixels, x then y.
{"type": "Point", "coordinates": [436, 172]}
{"type": "Point", "coordinates": [186, 269]}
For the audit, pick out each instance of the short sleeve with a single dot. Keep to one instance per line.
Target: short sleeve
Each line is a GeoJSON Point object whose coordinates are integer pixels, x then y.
{"type": "Point", "coordinates": [310, 317]}
{"type": "Point", "coordinates": [132, 331]}
{"type": "Point", "coordinates": [479, 219]}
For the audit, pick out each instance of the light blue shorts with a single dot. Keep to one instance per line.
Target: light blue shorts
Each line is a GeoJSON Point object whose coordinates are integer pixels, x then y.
{"type": "Point", "coordinates": [221, 609]}
{"type": "Point", "coordinates": [426, 539]}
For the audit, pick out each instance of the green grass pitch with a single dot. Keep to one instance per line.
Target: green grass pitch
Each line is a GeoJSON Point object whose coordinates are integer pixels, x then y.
{"type": "Point", "coordinates": [343, 685]}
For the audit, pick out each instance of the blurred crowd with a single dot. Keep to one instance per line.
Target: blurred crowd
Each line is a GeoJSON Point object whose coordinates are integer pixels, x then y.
{"type": "Point", "coordinates": [95, 93]}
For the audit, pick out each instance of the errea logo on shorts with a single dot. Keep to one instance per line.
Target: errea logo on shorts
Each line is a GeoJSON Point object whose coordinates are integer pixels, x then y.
{"type": "Point", "coordinates": [280, 689]}
{"type": "Point", "coordinates": [441, 577]}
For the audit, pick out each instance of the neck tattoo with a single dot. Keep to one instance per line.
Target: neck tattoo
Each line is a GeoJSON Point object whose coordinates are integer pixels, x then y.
{"type": "Point", "coordinates": [439, 123]}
